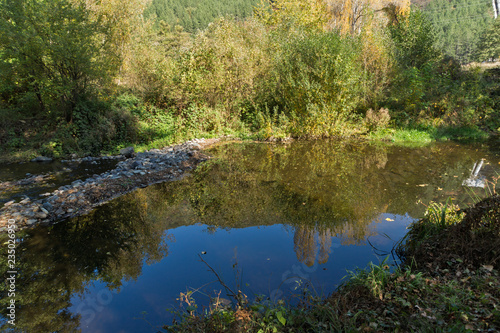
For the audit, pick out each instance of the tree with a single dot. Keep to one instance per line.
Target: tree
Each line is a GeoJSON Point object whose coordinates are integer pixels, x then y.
{"type": "Point", "coordinates": [458, 25]}
{"type": "Point", "coordinates": [63, 50]}
{"type": "Point", "coordinates": [413, 37]}
{"type": "Point", "coordinates": [488, 47]}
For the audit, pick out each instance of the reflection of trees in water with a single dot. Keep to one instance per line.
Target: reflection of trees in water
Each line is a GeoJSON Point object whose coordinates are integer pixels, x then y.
{"type": "Point", "coordinates": [321, 189]}
{"type": "Point", "coordinates": [57, 263]}
{"type": "Point", "coordinates": [306, 241]}
{"type": "Point", "coordinates": [305, 245]}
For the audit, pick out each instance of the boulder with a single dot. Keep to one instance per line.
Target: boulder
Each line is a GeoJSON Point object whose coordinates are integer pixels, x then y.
{"type": "Point", "coordinates": [127, 152]}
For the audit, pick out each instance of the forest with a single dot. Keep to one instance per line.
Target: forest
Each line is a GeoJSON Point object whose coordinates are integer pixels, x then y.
{"type": "Point", "coordinates": [459, 25]}
{"type": "Point", "coordinates": [193, 15]}
{"type": "Point", "coordinates": [90, 77]}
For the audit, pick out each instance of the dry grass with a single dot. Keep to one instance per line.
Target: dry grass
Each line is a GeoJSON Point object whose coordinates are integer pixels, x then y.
{"type": "Point", "coordinates": [482, 65]}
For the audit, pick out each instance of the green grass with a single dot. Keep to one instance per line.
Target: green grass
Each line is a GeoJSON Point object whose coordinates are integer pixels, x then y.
{"type": "Point", "coordinates": [425, 135]}
{"type": "Point", "coordinates": [407, 137]}
{"type": "Point", "coordinates": [463, 134]}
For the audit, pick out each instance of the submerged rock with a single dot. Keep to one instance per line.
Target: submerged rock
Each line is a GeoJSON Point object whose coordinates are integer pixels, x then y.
{"type": "Point", "coordinates": [41, 159]}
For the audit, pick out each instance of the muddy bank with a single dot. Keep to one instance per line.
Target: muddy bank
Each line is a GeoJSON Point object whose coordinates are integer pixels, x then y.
{"type": "Point", "coordinates": [139, 170]}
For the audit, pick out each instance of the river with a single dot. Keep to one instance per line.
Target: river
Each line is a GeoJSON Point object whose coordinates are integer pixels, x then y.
{"type": "Point", "coordinates": [274, 220]}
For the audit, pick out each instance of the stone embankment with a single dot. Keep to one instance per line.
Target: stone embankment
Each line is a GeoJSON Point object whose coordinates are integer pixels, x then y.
{"type": "Point", "coordinates": [136, 170]}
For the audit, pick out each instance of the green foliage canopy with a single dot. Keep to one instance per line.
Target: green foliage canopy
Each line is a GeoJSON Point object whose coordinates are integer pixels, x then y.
{"type": "Point", "coordinates": [458, 25]}
{"type": "Point", "coordinates": [413, 37]}
{"type": "Point", "coordinates": [488, 47]}
{"type": "Point", "coordinates": [56, 50]}
{"type": "Point", "coordinates": [193, 15]}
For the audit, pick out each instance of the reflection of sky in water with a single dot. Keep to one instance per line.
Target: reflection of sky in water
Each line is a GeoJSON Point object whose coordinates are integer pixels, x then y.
{"type": "Point", "coordinates": [265, 256]}
{"type": "Point", "coordinates": [319, 206]}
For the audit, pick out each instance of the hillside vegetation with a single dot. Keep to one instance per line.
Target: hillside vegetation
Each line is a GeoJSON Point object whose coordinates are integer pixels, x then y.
{"type": "Point", "coordinates": [459, 25]}
{"type": "Point", "coordinates": [90, 77]}
{"type": "Point", "coordinates": [193, 15]}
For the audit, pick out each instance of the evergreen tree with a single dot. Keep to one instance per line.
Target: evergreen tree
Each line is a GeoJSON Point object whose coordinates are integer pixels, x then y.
{"type": "Point", "coordinates": [458, 25]}
{"type": "Point", "coordinates": [488, 47]}
{"type": "Point", "coordinates": [193, 15]}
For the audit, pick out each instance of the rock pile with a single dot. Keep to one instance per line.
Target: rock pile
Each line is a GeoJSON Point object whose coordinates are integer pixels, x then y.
{"type": "Point", "coordinates": [138, 170]}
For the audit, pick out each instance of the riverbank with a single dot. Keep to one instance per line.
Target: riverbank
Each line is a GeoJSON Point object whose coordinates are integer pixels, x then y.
{"type": "Point", "coordinates": [78, 198]}
{"type": "Point", "coordinates": [455, 286]}
{"type": "Point", "coordinates": [419, 136]}
{"type": "Point", "coordinates": [151, 166]}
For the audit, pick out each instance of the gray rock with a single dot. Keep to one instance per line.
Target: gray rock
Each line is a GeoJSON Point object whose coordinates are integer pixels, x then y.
{"type": "Point", "coordinates": [77, 182]}
{"type": "Point", "coordinates": [41, 215]}
{"type": "Point", "coordinates": [136, 165]}
{"type": "Point", "coordinates": [31, 221]}
{"type": "Point", "coordinates": [29, 214]}
{"type": "Point", "coordinates": [7, 204]}
{"type": "Point", "coordinates": [127, 152]}
{"type": "Point", "coordinates": [25, 201]}
{"type": "Point", "coordinates": [41, 159]}
{"type": "Point", "coordinates": [47, 206]}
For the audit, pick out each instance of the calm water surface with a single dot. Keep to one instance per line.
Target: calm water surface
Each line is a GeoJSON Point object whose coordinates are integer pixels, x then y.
{"type": "Point", "coordinates": [270, 219]}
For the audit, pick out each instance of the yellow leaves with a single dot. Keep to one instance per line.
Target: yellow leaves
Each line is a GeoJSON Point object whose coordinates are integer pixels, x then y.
{"type": "Point", "coordinates": [389, 219]}
{"type": "Point", "coordinates": [303, 13]}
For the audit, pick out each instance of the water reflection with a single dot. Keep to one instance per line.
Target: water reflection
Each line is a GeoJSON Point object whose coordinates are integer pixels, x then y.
{"type": "Point", "coordinates": [54, 264]}
{"type": "Point", "coordinates": [328, 195]}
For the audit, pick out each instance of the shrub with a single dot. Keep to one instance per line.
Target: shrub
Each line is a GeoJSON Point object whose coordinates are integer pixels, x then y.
{"type": "Point", "coordinates": [317, 80]}
{"type": "Point", "coordinates": [377, 120]}
{"type": "Point", "coordinates": [414, 38]}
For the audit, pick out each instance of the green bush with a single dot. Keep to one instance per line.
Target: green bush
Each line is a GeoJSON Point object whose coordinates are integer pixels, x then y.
{"type": "Point", "coordinates": [317, 80]}
{"type": "Point", "coordinates": [414, 37]}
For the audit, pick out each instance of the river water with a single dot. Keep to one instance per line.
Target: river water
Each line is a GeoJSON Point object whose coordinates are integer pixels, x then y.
{"type": "Point", "coordinates": [271, 219]}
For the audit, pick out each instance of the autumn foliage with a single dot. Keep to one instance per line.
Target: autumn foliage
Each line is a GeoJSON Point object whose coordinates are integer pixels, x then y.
{"type": "Point", "coordinates": [304, 68]}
